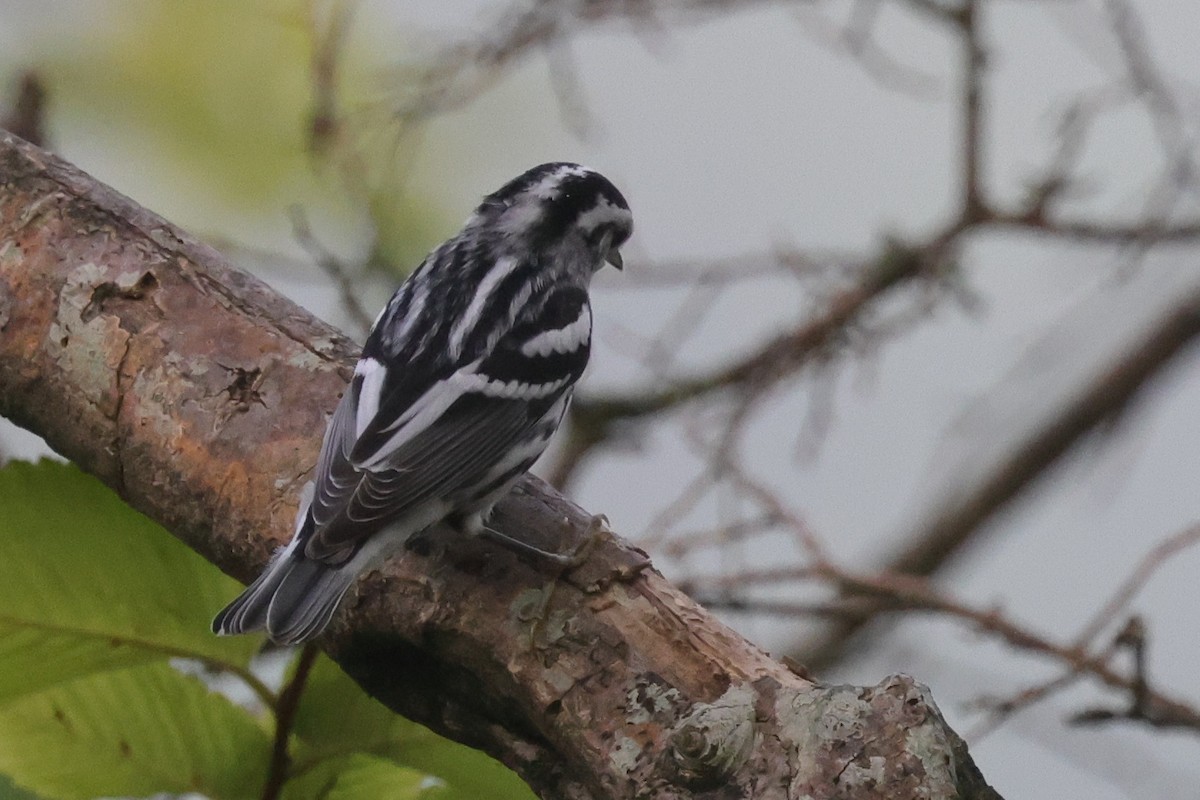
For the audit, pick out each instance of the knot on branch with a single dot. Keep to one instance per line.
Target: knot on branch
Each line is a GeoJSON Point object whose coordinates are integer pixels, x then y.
{"type": "Point", "coordinates": [716, 738]}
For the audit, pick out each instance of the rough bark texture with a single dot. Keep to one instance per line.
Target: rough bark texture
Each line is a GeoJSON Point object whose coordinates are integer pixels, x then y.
{"type": "Point", "coordinates": [201, 396]}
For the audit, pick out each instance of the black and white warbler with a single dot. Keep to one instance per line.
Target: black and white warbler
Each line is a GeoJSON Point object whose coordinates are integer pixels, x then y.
{"type": "Point", "coordinates": [463, 379]}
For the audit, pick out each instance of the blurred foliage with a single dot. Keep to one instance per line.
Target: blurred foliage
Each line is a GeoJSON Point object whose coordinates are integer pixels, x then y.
{"type": "Point", "coordinates": [336, 716]}
{"type": "Point", "coordinates": [101, 612]}
{"type": "Point", "coordinates": [8, 791]}
{"type": "Point", "coordinates": [222, 84]}
{"type": "Point", "coordinates": [212, 103]}
{"type": "Point", "coordinates": [132, 732]}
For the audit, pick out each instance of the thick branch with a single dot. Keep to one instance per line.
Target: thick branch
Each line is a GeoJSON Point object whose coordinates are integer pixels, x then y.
{"type": "Point", "coordinates": [200, 396]}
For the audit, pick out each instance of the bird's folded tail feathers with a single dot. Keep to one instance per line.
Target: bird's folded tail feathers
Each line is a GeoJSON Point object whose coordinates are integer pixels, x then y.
{"type": "Point", "coordinates": [305, 600]}
{"type": "Point", "coordinates": [248, 611]}
{"type": "Point", "coordinates": [293, 599]}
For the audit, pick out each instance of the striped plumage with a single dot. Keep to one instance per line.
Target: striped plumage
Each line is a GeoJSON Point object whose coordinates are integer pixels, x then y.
{"type": "Point", "coordinates": [463, 379]}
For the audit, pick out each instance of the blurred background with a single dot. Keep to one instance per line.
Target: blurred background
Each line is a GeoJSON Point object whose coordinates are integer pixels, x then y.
{"type": "Point", "coordinates": [899, 376]}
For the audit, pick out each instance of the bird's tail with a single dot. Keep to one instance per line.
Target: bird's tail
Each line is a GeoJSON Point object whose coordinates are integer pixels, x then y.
{"type": "Point", "coordinates": [293, 599]}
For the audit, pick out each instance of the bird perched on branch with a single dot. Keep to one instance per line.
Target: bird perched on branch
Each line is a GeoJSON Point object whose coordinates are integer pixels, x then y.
{"type": "Point", "coordinates": [464, 377]}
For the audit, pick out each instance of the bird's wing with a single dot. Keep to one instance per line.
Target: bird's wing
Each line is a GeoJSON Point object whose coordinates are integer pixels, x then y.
{"type": "Point", "coordinates": [465, 424]}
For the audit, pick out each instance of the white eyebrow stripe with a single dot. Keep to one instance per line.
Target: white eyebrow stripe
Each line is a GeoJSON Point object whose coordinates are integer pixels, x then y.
{"type": "Point", "coordinates": [566, 339]}
{"type": "Point", "coordinates": [604, 212]}
{"type": "Point", "coordinates": [470, 318]}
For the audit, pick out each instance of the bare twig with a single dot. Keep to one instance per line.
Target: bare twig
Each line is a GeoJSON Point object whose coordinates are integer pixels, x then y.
{"type": "Point", "coordinates": [329, 41]}
{"type": "Point", "coordinates": [333, 267]}
{"type": "Point", "coordinates": [1099, 403]}
{"type": "Point", "coordinates": [285, 715]}
{"type": "Point", "coordinates": [973, 105]}
{"type": "Point", "coordinates": [856, 38]}
{"type": "Point", "coordinates": [27, 115]}
{"type": "Point", "coordinates": [865, 595]}
{"type": "Point", "coordinates": [893, 593]}
{"type": "Point", "coordinates": [1123, 595]}
{"type": "Point", "coordinates": [780, 357]}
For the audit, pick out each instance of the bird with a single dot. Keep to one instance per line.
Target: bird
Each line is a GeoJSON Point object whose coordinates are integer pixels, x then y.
{"type": "Point", "coordinates": [464, 377]}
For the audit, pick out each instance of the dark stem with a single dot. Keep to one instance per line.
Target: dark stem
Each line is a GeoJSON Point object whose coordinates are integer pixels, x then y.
{"type": "Point", "coordinates": [974, 208]}
{"type": "Point", "coordinates": [285, 714]}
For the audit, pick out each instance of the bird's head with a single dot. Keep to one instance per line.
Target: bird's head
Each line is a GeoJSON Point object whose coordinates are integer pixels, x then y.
{"type": "Point", "coordinates": [562, 202]}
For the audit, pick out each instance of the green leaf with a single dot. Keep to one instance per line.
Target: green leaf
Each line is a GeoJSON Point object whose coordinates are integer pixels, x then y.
{"type": "Point", "coordinates": [133, 732]}
{"type": "Point", "coordinates": [336, 716]}
{"type": "Point", "coordinates": [10, 791]}
{"type": "Point", "coordinates": [362, 777]}
{"type": "Point", "coordinates": [87, 584]}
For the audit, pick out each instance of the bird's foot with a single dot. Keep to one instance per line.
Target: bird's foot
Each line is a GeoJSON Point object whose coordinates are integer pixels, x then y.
{"type": "Point", "coordinates": [597, 529]}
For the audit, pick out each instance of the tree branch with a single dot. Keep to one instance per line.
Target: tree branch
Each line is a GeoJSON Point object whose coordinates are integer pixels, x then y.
{"type": "Point", "coordinates": [200, 396]}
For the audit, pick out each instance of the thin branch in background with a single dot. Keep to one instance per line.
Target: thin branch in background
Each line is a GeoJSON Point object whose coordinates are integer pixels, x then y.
{"type": "Point", "coordinates": [461, 71]}
{"type": "Point", "coordinates": [663, 350]}
{"type": "Point", "coordinates": [1139, 234]}
{"type": "Point", "coordinates": [1123, 595]}
{"type": "Point", "coordinates": [1143, 704]}
{"type": "Point", "coordinates": [974, 71]}
{"type": "Point", "coordinates": [905, 593]}
{"type": "Point", "coordinates": [819, 414]}
{"type": "Point", "coordinates": [866, 595]}
{"type": "Point", "coordinates": [1142, 81]}
{"type": "Point", "coordinates": [1133, 638]}
{"type": "Point", "coordinates": [1162, 554]}
{"type": "Point", "coordinates": [780, 357]}
{"type": "Point", "coordinates": [27, 111]}
{"type": "Point", "coordinates": [455, 74]}
{"type": "Point", "coordinates": [1057, 178]}
{"type": "Point", "coordinates": [684, 542]}
{"type": "Point", "coordinates": [783, 259]}
{"type": "Point", "coordinates": [660, 531]}
{"type": "Point", "coordinates": [776, 509]}
{"type": "Point", "coordinates": [1148, 84]}
{"type": "Point", "coordinates": [333, 267]}
{"type": "Point", "coordinates": [1108, 396]}
{"type": "Point", "coordinates": [916, 594]}
{"type": "Point", "coordinates": [857, 39]}
{"type": "Point", "coordinates": [285, 715]}
{"type": "Point", "coordinates": [1105, 399]}
{"type": "Point", "coordinates": [997, 710]}
{"type": "Point", "coordinates": [573, 108]}
{"type": "Point", "coordinates": [329, 40]}
{"type": "Point", "coordinates": [348, 141]}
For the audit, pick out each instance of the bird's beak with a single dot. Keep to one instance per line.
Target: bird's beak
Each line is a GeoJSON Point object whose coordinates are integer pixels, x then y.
{"type": "Point", "coordinates": [614, 258]}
